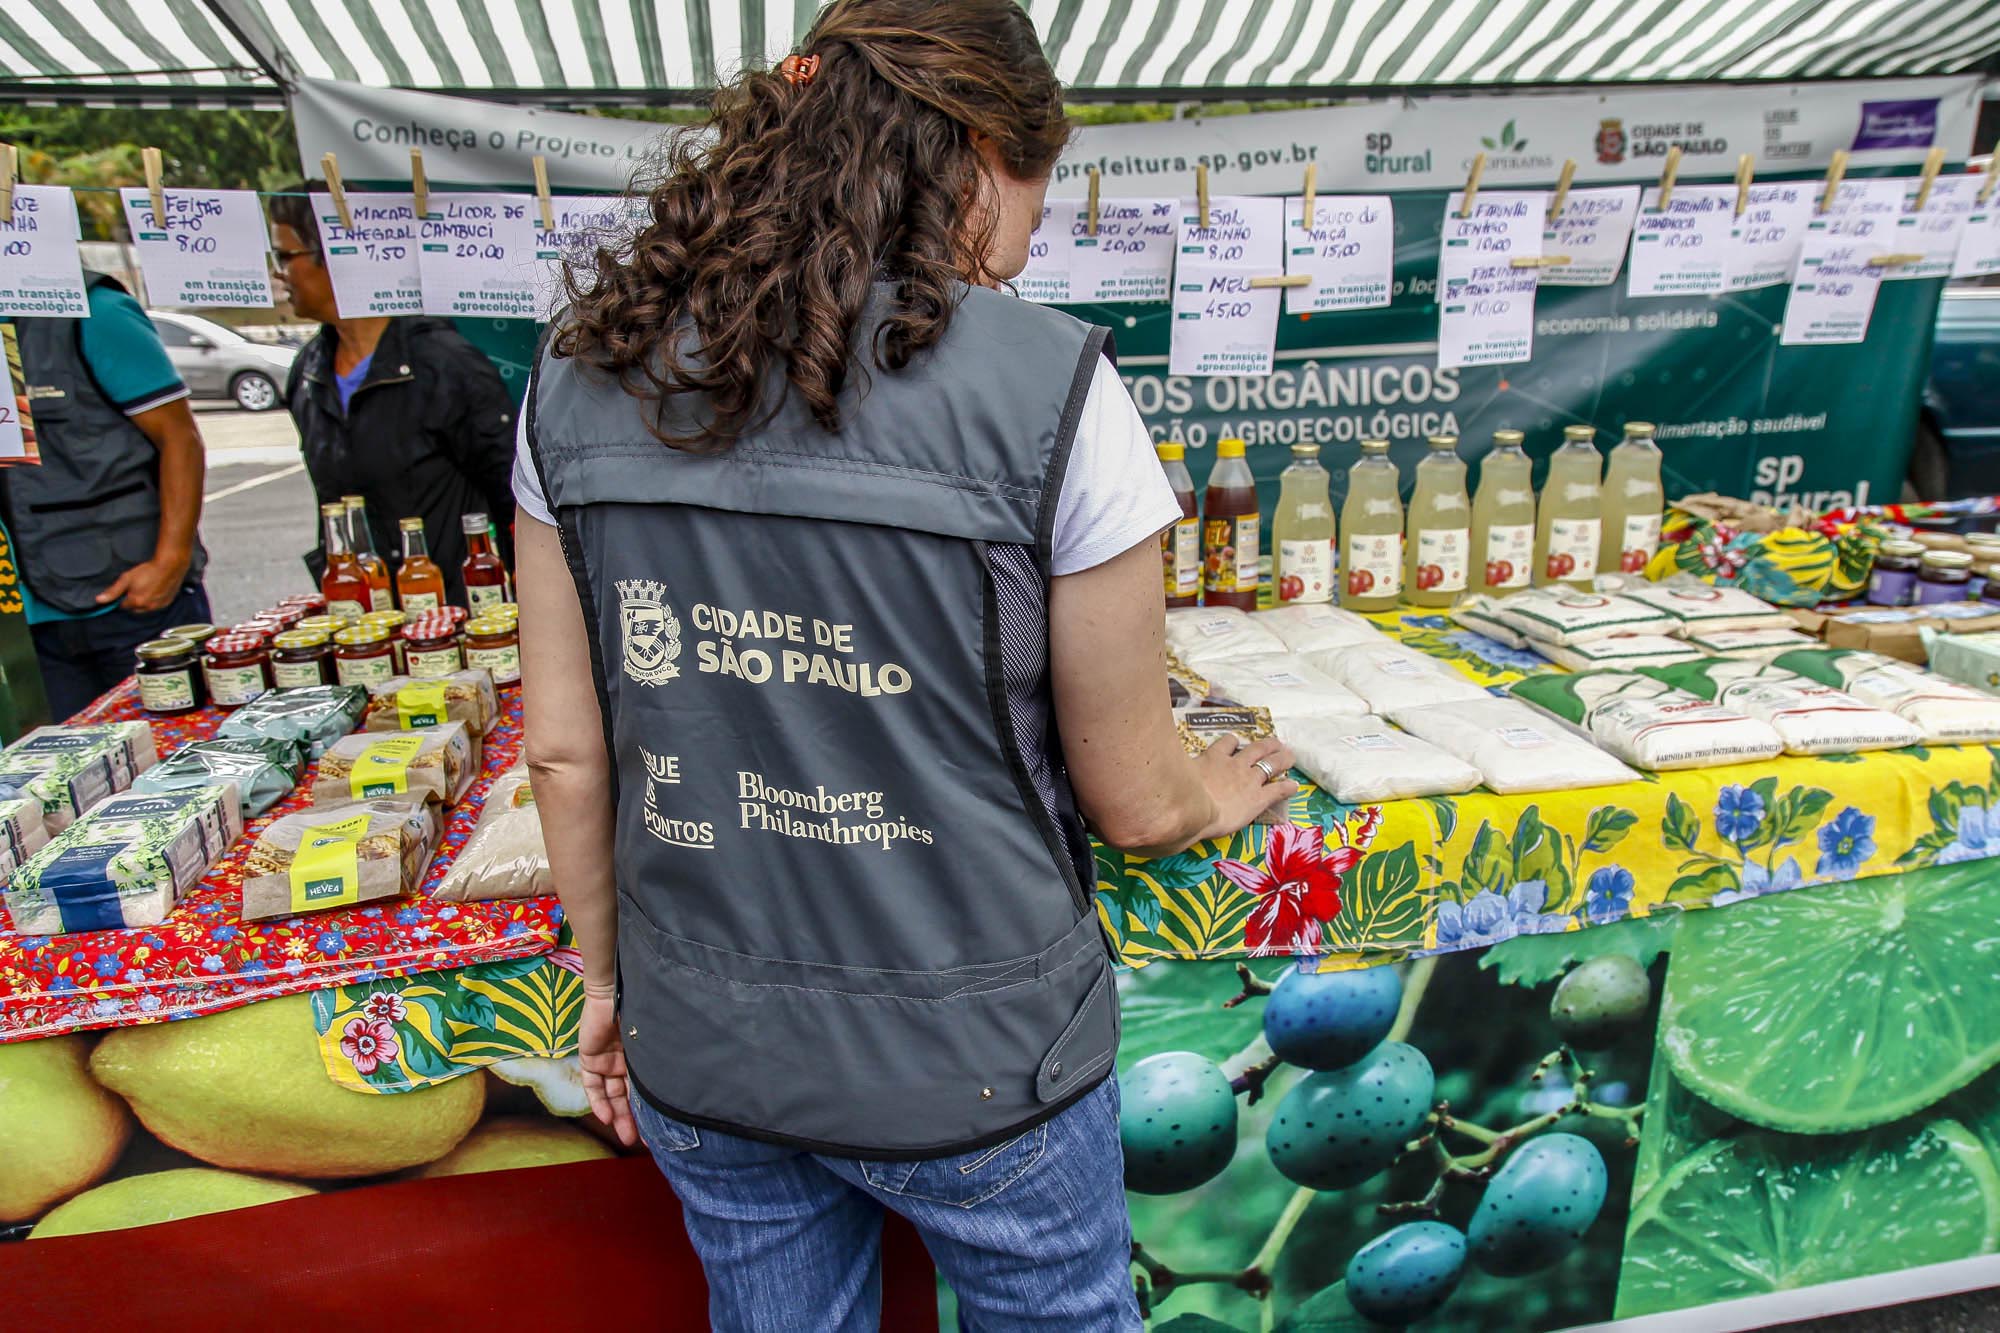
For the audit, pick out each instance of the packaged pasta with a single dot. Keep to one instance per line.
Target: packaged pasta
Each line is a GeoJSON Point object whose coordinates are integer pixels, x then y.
{"type": "Point", "coordinates": [505, 857]}
{"type": "Point", "coordinates": [1809, 718]}
{"type": "Point", "coordinates": [1650, 724]}
{"type": "Point", "coordinates": [1515, 748]}
{"type": "Point", "coordinates": [264, 771]}
{"type": "Point", "coordinates": [1569, 616]}
{"type": "Point", "coordinates": [1697, 605]}
{"type": "Point", "coordinates": [1312, 629]}
{"type": "Point", "coordinates": [1629, 651]}
{"type": "Point", "coordinates": [22, 832]}
{"type": "Point", "coordinates": [313, 716]}
{"type": "Point", "coordinates": [70, 769]}
{"type": "Point", "coordinates": [1478, 614]}
{"type": "Point", "coordinates": [402, 703]}
{"type": "Point", "coordinates": [1205, 724]}
{"type": "Point", "coordinates": [436, 763]}
{"type": "Point", "coordinates": [339, 855]}
{"type": "Point", "coordinates": [1359, 760]}
{"type": "Point", "coordinates": [1751, 645]}
{"type": "Point", "coordinates": [1185, 685]}
{"type": "Point", "coordinates": [1393, 677]}
{"type": "Point", "coordinates": [1946, 712]}
{"type": "Point", "coordinates": [125, 863]}
{"type": "Point", "coordinates": [1203, 635]}
{"type": "Point", "coordinates": [1289, 686]}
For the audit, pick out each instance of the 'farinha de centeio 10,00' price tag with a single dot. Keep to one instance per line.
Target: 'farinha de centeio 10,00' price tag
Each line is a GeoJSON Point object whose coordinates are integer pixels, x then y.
{"type": "Point", "coordinates": [1222, 325]}
{"type": "Point", "coordinates": [1486, 306]}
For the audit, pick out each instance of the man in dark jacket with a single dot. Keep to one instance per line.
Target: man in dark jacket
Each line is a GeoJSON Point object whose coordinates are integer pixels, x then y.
{"type": "Point", "coordinates": [403, 411]}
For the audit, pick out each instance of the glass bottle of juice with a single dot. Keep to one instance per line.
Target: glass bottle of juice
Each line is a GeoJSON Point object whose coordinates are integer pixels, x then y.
{"type": "Point", "coordinates": [1180, 545]}
{"type": "Point", "coordinates": [485, 575]}
{"type": "Point", "coordinates": [1371, 526]}
{"type": "Point", "coordinates": [1229, 534]}
{"type": "Point", "coordinates": [1438, 544]}
{"type": "Point", "coordinates": [1503, 517]}
{"type": "Point", "coordinates": [1302, 531]}
{"type": "Point", "coordinates": [419, 581]}
{"type": "Point", "coordinates": [1633, 500]}
{"type": "Point", "coordinates": [1567, 537]}
{"type": "Point", "coordinates": [343, 584]}
{"type": "Point", "coordinates": [381, 596]}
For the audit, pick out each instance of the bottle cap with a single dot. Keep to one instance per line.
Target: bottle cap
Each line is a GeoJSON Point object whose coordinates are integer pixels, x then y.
{"type": "Point", "coordinates": [1305, 451]}
{"type": "Point", "coordinates": [1374, 446]}
{"type": "Point", "coordinates": [1171, 452]}
{"type": "Point", "coordinates": [475, 523]}
{"type": "Point", "coordinates": [1507, 439]}
{"type": "Point", "coordinates": [155, 650]}
{"type": "Point", "coordinates": [1583, 434]}
{"type": "Point", "coordinates": [410, 524]}
{"type": "Point", "coordinates": [1902, 548]}
{"type": "Point", "coordinates": [1229, 448]}
{"type": "Point", "coordinates": [333, 510]}
{"type": "Point", "coordinates": [356, 636]}
{"type": "Point", "coordinates": [1948, 559]}
{"type": "Point", "coordinates": [353, 501]}
{"type": "Point", "coordinates": [1633, 428]}
{"type": "Point", "coordinates": [301, 638]}
{"type": "Point", "coordinates": [1442, 442]}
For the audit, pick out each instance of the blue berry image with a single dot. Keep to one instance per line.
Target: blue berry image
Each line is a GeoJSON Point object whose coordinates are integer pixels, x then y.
{"type": "Point", "coordinates": [1328, 1020]}
{"type": "Point", "coordinates": [1177, 1122]}
{"type": "Point", "coordinates": [1538, 1205]}
{"type": "Point", "coordinates": [1338, 1127]}
{"type": "Point", "coordinates": [1406, 1273]}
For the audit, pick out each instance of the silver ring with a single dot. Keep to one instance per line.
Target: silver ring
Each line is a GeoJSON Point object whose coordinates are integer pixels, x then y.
{"type": "Point", "coordinates": [1264, 766]}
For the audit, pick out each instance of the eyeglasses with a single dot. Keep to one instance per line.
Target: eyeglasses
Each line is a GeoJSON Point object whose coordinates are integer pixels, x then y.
{"type": "Point", "coordinates": [285, 257]}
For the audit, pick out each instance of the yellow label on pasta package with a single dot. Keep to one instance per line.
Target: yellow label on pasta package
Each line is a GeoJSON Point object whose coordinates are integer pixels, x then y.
{"type": "Point", "coordinates": [326, 870]}
{"type": "Point", "coordinates": [383, 769]}
{"type": "Point", "coordinates": [420, 706]}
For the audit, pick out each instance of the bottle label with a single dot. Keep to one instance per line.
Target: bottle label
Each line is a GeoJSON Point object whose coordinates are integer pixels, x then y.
{"type": "Point", "coordinates": [230, 686]}
{"type": "Point", "coordinates": [1229, 557]}
{"type": "Point", "coordinates": [1510, 555]}
{"type": "Point", "coordinates": [504, 663]}
{"type": "Point", "coordinates": [1375, 564]}
{"type": "Point", "coordinates": [484, 596]}
{"type": "Point", "coordinates": [1641, 538]}
{"type": "Point", "coordinates": [417, 602]}
{"type": "Point", "coordinates": [1441, 559]}
{"type": "Point", "coordinates": [1305, 571]}
{"type": "Point", "coordinates": [296, 675]}
{"type": "Point", "coordinates": [1180, 558]}
{"type": "Point", "coordinates": [167, 693]}
{"type": "Point", "coordinates": [346, 610]}
{"type": "Point", "coordinates": [428, 663]}
{"type": "Point", "coordinates": [1572, 550]}
{"type": "Point", "coordinates": [365, 670]}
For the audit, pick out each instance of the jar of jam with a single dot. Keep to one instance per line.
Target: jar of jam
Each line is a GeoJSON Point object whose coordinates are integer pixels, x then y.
{"type": "Point", "coordinates": [237, 667]}
{"type": "Point", "coordinates": [1894, 582]}
{"type": "Point", "coordinates": [393, 622]}
{"type": "Point", "coordinates": [195, 632]}
{"type": "Point", "coordinates": [506, 611]}
{"type": "Point", "coordinates": [362, 655]}
{"type": "Point", "coordinates": [301, 657]}
{"type": "Point", "coordinates": [430, 647]}
{"type": "Point", "coordinates": [495, 644]}
{"type": "Point", "coordinates": [329, 625]}
{"type": "Point", "coordinates": [259, 625]}
{"type": "Point", "coordinates": [1942, 576]}
{"type": "Point", "coordinates": [284, 616]}
{"type": "Point", "coordinates": [310, 602]}
{"type": "Point", "coordinates": [169, 675]}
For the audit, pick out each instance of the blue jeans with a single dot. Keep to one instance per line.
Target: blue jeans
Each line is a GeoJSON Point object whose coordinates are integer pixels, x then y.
{"type": "Point", "coordinates": [1031, 1234]}
{"type": "Point", "coordinates": [81, 659]}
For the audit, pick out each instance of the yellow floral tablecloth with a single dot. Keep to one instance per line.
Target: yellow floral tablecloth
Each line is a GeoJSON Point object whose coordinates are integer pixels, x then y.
{"type": "Point", "coordinates": [1447, 873]}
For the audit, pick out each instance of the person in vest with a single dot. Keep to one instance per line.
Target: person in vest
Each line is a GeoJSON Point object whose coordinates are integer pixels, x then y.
{"type": "Point", "coordinates": [104, 528]}
{"type": "Point", "coordinates": [842, 622]}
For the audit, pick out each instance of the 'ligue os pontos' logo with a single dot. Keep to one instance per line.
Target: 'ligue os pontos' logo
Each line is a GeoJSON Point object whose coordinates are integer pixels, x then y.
{"type": "Point", "coordinates": [652, 635]}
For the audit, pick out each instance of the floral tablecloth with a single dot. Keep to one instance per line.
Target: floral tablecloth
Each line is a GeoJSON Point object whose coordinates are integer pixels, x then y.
{"type": "Point", "coordinates": [1362, 884]}
{"type": "Point", "coordinates": [205, 957]}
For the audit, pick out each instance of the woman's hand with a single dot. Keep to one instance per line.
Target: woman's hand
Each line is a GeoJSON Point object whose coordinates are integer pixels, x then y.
{"type": "Point", "coordinates": [602, 1055]}
{"type": "Point", "coordinates": [1244, 781]}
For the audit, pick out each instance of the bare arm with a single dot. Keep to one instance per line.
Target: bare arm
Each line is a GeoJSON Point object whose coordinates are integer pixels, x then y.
{"type": "Point", "coordinates": [1135, 784]}
{"type": "Point", "coordinates": [154, 584]}
{"type": "Point", "coordinates": [572, 781]}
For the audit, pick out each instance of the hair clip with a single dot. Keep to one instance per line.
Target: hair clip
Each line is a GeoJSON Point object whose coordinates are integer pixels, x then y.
{"type": "Point", "coordinates": [799, 70]}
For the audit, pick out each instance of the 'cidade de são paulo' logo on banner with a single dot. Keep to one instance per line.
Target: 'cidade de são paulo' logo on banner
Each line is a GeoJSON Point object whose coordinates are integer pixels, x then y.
{"type": "Point", "coordinates": [652, 635]}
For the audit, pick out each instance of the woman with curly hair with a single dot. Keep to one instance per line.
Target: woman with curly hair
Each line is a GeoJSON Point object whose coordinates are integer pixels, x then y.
{"type": "Point", "coordinates": [841, 623]}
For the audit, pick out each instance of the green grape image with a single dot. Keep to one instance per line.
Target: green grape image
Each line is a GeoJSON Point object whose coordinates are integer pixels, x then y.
{"type": "Point", "coordinates": [1599, 1000]}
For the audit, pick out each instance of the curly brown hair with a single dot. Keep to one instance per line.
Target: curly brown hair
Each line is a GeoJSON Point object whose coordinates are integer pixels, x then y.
{"type": "Point", "coordinates": [768, 232]}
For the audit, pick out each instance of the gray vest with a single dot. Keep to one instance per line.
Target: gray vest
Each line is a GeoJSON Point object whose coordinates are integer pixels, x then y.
{"type": "Point", "coordinates": [91, 510]}
{"type": "Point", "coordinates": [855, 908]}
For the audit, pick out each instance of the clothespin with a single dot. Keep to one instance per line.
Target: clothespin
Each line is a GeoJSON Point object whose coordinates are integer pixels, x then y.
{"type": "Point", "coordinates": [1992, 174]}
{"type": "Point", "coordinates": [1834, 171]}
{"type": "Point", "coordinates": [1539, 261]}
{"type": "Point", "coordinates": [1744, 166]}
{"type": "Point", "coordinates": [9, 167]}
{"type": "Point", "coordinates": [155, 169]}
{"type": "Point", "coordinates": [1090, 222]}
{"type": "Point", "coordinates": [1201, 191]}
{"type": "Point", "coordinates": [1668, 172]}
{"type": "Point", "coordinates": [542, 193]}
{"type": "Point", "coordinates": [1280, 280]}
{"type": "Point", "coordinates": [420, 186]}
{"type": "Point", "coordinates": [1311, 196]}
{"type": "Point", "coordinates": [1890, 261]}
{"type": "Point", "coordinates": [1562, 188]}
{"type": "Point", "coordinates": [329, 167]}
{"type": "Point", "coordinates": [1933, 164]}
{"type": "Point", "coordinates": [1472, 184]}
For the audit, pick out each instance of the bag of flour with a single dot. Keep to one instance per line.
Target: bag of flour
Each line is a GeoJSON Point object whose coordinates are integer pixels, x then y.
{"type": "Point", "coordinates": [1567, 616]}
{"type": "Point", "coordinates": [1809, 717]}
{"type": "Point", "coordinates": [1292, 688]}
{"type": "Point", "coordinates": [1477, 613]}
{"type": "Point", "coordinates": [1698, 605]}
{"type": "Point", "coordinates": [1312, 629]}
{"type": "Point", "coordinates": [1393, 677]}
{"type": "Point", "coordinates": [1203, 635]}
{"type": "Point", "coordinates": [1750, 645]}
{"type": "Point", "coordinates": [1629, 651]}
{"type": "Point", "coordinates": [1515, 748]}
{"type": "Point", "coordinates": [1650, 724]}
{"type": "Point", "coordinates": [1360, 760]}
{"type": "Point", "coordinates": [1945, 712]}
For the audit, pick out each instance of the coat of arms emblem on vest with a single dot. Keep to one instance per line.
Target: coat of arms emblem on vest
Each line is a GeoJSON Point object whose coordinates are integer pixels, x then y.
{"type": "Point", "coordinates": [652, 635]}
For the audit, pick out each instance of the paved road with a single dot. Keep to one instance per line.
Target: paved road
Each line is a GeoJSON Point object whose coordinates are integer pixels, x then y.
{"type": "Point", "coordinates": [258, 515]}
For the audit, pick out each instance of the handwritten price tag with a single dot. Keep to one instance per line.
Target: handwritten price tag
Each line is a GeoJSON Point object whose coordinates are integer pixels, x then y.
{"type": "Point", "coordinates": [1594, 229]}
{"type": "Point", "coordinates": [1349, 252]}
{"type": "Point", "coordinates": [1683, 249]}
{"type": "Point", "coordinates": [1047, 276]}
{"type": "Point", "coordinates": [583, 223]}
{"type": "Point", "coordinates": [1764, 242]}
{"type": "Point", "coordinates": [211, 248]}
{"type": "Point", "coordinates": [1833, 293]}
{"type": "Point", "coordinates": [1486, 306]}
{"type": "Point", "coordinates": [1222, 325]}
{"type": "Point", "coordinates": [477, 255]}
{"type": "Point", "coordinates": [1937, 231]}
{"type": "Point", "coordinates": [373, 267]}
{"type": "Point", "coordinates": [40, 273]}
{"type": "Point", "coordinates": [1132, 256]}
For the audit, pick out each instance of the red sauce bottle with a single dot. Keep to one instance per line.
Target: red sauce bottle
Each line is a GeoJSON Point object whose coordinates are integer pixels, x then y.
{"type": "Point", "coordinates": [1180, 545]}
{"type": "Point", "coordinates": [484, 572]}
{"type": "Point", "coordinates": [1230, 531]}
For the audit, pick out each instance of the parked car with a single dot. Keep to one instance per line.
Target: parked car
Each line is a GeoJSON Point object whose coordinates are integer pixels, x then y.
{"type": "Point", "coordinates": [1958, 434]}
{"type": "Point", "coordinates": [217, 362]}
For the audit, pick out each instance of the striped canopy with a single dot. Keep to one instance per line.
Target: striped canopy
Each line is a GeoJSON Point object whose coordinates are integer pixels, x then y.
{"type": "Point", "coordinates": [605, 50]}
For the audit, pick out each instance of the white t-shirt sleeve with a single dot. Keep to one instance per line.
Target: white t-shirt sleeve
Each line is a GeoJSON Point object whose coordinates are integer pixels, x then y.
{"type": "Point", "coordinates": [1114, 494]}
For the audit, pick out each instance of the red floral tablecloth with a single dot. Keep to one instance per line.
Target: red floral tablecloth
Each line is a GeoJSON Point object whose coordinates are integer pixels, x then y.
{"type": "Point", "coordinates": [205, 957]}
